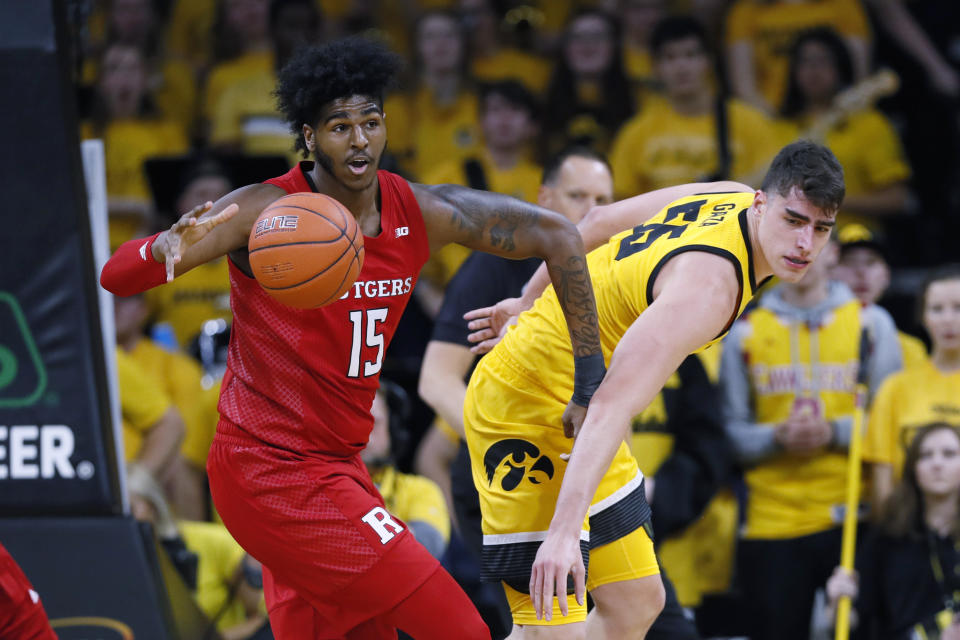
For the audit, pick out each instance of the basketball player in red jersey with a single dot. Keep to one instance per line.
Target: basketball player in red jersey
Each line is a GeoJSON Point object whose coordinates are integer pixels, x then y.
{"type": "Point", "coordinates": [285, 470]}
{"type": "Point", "coordinates": [21, 613]}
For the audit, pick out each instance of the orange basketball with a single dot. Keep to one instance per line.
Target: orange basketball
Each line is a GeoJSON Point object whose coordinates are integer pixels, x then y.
{"type": "Point", "coordinates": [306, 250]}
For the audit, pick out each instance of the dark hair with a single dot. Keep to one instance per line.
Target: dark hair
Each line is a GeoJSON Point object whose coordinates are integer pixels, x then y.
{"type": "Point", "coordinates": [794, 101]}
{"type": "Point", "coordinates": [416, 68]}
{"type": "Point", "coordinates": [675, 28]}
{"type": "Point", "coordinates": [316, 76]}
{"type": "Point", "coordinates": [810, 167]}
{"type": "Point", "coordinates": [552, 166]}
{"type": "Point", "coordinates": [939, 274]}
{"type": "Point", "coordinates": [277, 7]}
{"type": "Point", "coordinates": [616, 102]}
{"type": "Point", "coordinates": [902, 513]}
{"type": "Point", "coordinates": [513, 92]}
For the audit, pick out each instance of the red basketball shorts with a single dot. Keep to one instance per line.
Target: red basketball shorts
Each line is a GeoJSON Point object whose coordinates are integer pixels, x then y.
{"type": "Point", "coordinates": [320, 528]}
{"type": "Point", "coordinates": [21, 614]}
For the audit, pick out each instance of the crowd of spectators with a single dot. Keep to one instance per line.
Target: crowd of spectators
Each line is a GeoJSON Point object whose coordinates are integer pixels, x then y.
{"type": "Point", "coordinates": [745, 448]}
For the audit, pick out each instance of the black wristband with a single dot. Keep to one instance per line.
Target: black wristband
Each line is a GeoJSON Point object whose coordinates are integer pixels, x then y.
{"type": "Point", "coordinates": [588, 372]}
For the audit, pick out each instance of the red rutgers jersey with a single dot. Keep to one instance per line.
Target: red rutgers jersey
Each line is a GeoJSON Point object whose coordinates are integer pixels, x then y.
{"type": "Point", "coordinates": [304, 380]}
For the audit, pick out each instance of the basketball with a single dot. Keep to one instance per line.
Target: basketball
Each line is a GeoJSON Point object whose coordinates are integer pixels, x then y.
{"type": "Point", "coordinates": [306, 250]}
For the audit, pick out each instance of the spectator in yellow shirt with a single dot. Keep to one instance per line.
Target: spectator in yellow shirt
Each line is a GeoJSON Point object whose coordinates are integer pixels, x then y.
{"type": "Point", "coordinates": [203, 293]}
{"type": "Point", "coordinates": [863, 140]}
{"type": "Point", "coordinates": [245, 118]}
{"type": "Point", "coordinates": [435, 119]}
{"type": "Point", "coordinates": [241, 48]}
{"type": "Point", "coordinates": [863, 267]}
{"type": "Point", "coordinates": [179, 377]}
{"type": "Point", "coordinates": [678, 139]}
{"type": "Point", "coordinates": [914, 397]}
{"type": "Point", "coordinates": [490, 58]}
{"type": "Point", "coordinates": [123, 116]}
{"type": "Point", "coordinates": [639, 19]}
{"type": "Point", "coordinates": [760, 33]}
{"type": "Point", "coordinates": [152, 428]}
{"type": "Point", "coordinates": [136, 23]}
{"type": "Point", "coordinates": [508, 119]}
{"type": "Point", "coordinates": [226, 583]}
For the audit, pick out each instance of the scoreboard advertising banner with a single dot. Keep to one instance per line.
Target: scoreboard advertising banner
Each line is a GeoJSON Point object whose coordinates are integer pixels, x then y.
{"type": "Point", "coordinates": [57, 454]}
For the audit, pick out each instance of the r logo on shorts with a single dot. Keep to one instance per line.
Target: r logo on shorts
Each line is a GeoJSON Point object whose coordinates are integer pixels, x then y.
{"type": "Point", "coordinates": [379, 519]}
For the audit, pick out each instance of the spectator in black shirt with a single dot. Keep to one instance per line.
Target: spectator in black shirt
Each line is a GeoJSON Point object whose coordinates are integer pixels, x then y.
{"type": "Point", "coordinates": [908, 570]}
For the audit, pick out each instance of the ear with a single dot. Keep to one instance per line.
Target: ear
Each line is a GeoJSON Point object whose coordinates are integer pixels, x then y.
{"type": "Point", "coordinates": [309, 138]}
{"type": "Point", "coordinates": [545, 197]}
{"type": "Point", "coordinates": [760, 202]}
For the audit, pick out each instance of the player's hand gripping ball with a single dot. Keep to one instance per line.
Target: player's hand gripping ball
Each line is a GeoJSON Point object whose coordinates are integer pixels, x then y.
{"type": "Point", "coordinates": [306, 250]}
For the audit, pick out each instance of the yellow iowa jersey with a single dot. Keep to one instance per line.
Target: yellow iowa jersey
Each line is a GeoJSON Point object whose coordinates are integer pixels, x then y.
{"type": "Point", "coordinates": [623, 272]}
{"type": "Point", "coordinates": [906, 401]}
{"type": "Point", "coordinates": [797, 495]}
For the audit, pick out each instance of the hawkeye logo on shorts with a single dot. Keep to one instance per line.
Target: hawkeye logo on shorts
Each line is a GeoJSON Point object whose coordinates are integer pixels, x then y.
{"type": "Point", "coordinates": [515, 454]}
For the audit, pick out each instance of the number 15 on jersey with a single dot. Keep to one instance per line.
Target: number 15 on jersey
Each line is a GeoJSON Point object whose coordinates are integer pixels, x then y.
{"type": "Point", "coordinates": [369, 335]}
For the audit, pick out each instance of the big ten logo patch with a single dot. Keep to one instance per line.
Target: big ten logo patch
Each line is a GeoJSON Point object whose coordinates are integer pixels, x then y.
{"type": "Point", "coordinates": [380, 521]}
{"type": "Point", "coordinates": [513, 460]}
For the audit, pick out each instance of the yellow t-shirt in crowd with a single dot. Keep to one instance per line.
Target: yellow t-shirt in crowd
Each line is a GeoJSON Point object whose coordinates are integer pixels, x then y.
{"type": "Point", "coordinates": [913, 349]}
{"type": "Point", "coordinates": [520, 181]}
{"type": "Point", "coordinates": [796, 495]}
{"type": "Point", "coordinates": [512, 64]}
{"type": "Point", "coordinates": [246, 116]}
{"type": "Point", "coordinates": [142, 402]}
{"type": "Point", "coordinates": [228, 73]}
{"type": "Point", "coordinates": [869, 150]}
{"type": "Point", "coordinates": [180, 376]}
{"type": "Point", "coordinates": [659, 147]}
{"type": "Point", "coordinates": [218, 556]}
{"type": "Point", "coordinates": [424, 134]}
{"type": "Point", "coordinates": [771, 27]}
{"type": "Point", "coordinates": [189, 32]}
{"type": "Point", "coordinates": [638, 65]}
{"type": "Point", "coordinates": [413, 498]}
{"type": "Point", "coordinates": [127, 143]}
{"type": "Point", "coordinates": [905, 402]}
{"type": "Point", "coordinates": [201, 294]}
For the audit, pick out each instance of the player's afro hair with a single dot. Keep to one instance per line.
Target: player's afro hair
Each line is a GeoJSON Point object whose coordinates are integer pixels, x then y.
{"type": "Point", "coordinates": [317, 75]}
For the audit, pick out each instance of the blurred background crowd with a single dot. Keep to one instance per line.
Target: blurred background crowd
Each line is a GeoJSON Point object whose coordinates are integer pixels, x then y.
{"type": "Point", "coordinates": [746, 446]}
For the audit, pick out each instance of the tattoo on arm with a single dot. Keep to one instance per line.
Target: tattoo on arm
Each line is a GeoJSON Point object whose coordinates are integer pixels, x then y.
{"type": "Point", "coordinates": [474, 212]}
{"type": "Point", "coordinates": [575, 294]}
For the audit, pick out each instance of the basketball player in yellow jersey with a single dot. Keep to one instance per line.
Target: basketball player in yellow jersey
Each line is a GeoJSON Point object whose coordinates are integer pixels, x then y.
{"type": "Point", "coordinates": [664, 289]}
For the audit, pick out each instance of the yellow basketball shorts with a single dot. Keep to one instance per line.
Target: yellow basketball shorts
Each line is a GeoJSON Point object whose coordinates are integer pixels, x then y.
{"type": "Point", "coordinates": [515, 437]}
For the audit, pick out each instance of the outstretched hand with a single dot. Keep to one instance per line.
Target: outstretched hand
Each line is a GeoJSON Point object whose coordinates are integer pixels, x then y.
{"type": "Point", "coordinates": [187, 231]}
{"type": "Point", "coordinates": [489, 324]}
{"type": "Point", "coordinates": [557, 557]}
